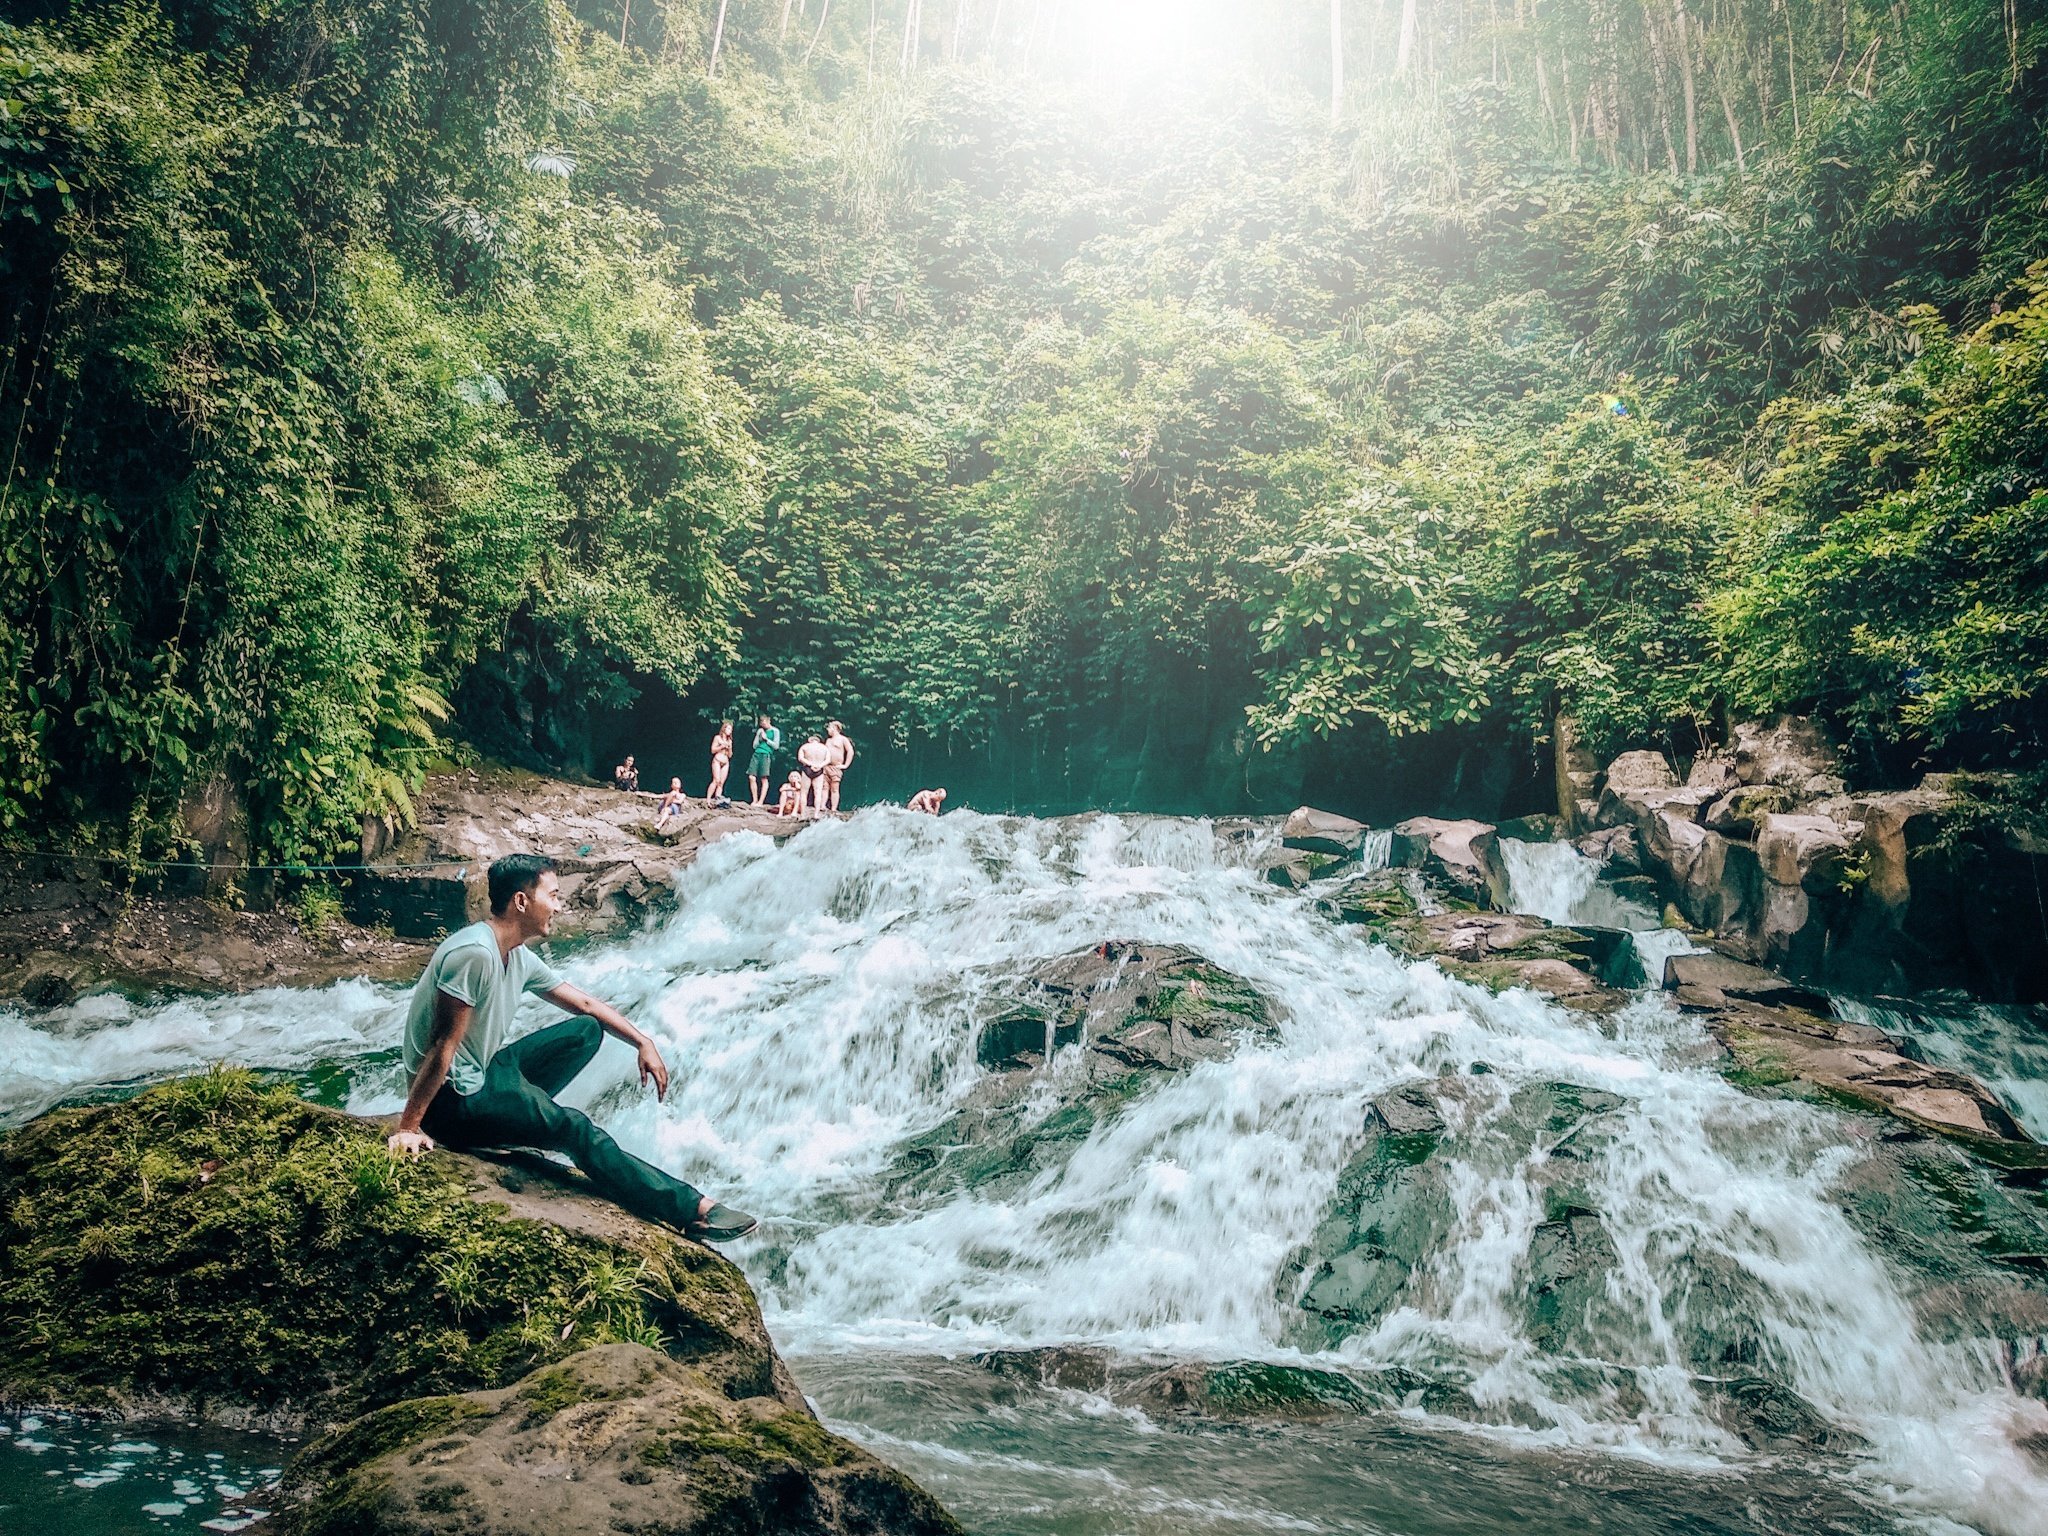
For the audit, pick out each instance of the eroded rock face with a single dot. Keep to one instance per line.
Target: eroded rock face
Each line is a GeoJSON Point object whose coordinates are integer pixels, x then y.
{"type": "Point", "coordinates": [1463, 854]}
{"type": "Point", "coordinates": [221, 1246]}
{"type": "Point", "coordinates": [1867, 892]}
{"type": "Point", "coordinates": [619, 1437]}
{"type": "Point", "coordinates": [1577, 775]}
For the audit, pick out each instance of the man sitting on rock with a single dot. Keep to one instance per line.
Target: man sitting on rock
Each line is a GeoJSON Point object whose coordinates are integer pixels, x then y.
{"type": "Point", "coordinates": [471, 1089]}
{"type": "Point", "coordinates": [626, 777]}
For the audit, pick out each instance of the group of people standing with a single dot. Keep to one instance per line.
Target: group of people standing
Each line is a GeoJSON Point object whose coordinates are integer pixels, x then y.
{"type": "Point", "coordinates": [810, 791]}
{"type": "Point", "coordinates": [812, 788]}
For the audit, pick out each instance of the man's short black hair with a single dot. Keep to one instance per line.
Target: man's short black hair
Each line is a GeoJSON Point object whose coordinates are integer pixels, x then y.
{"type": "Point", "coordinates": [514, 873]}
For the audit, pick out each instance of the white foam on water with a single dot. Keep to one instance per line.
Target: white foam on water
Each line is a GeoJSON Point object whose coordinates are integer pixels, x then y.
{"type": "Point", "coordinates": [106, 1040]}
{"type": "Point", "coordinates": [819, 1002]}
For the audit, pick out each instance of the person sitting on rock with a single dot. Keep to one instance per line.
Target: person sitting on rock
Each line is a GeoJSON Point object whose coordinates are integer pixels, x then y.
{"type": "Point", "coordinates": [930, 801]}
{"type": "Point", "coordinates": [626, 777]}
{"type": "Point", "coordinates": [672, 804]}
{"type": "Point", "coordinates": [794, 793]}
{"type": "Point", "coordinates": [470, 1088]}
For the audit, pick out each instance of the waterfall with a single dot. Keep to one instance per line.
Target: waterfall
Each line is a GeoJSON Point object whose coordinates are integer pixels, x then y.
{"type": "Point", "coordinates": [1556, 882]}
{"type": "Point", "coordinates": [2005, 1048]}
{"type": "Point", "coordinates": [819, 1001]}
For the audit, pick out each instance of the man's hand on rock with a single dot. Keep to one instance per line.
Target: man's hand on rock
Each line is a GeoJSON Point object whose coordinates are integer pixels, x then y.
{"type": "Point", "coordinates": [653, 1069]}
{"type": "Point", "coordinates": [410, 1145]}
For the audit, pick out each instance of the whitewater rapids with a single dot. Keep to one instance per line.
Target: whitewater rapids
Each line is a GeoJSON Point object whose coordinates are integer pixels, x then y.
{"type": "Point", "coordinates": [819, 1003]}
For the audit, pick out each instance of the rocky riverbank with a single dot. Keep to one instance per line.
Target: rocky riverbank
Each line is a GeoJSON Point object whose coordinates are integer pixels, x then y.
{"type": "Point", "coordinates": [480, 1346]}
{"type": "Point", "coordinates": [1443, 899]}
{"type": "Point", "coordinates": [1763, 845]}
{"type": "Point", "coordinates": [66, 926]}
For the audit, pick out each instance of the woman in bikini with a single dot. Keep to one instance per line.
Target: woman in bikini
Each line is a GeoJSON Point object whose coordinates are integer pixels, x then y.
{"type": "Point", "coordinates": [721, 764]}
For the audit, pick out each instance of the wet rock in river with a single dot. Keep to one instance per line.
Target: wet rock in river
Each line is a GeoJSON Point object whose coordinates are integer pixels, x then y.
{"type": "Point", "coordinates": [1465, 855]}
{"type": "Point", "coordinates": [619, 1437]}
{"type": "Point", "coordinates": [1130, 1011]}
{"type": "Point", "coordinates": [1308, 830]}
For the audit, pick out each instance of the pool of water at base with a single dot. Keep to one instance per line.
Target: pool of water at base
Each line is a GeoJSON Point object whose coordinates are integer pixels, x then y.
{"type": "Point", "coordinates": [64, 1475]}
{"type": "Point", "coordinates": [1013, 1459]}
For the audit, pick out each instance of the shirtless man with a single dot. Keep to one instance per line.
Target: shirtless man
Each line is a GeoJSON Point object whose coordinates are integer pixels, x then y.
{"type": "Point", "coordinates": [626, 777]}
{"type": "Point", "coordinates": [767, 742]}
{"type": "Point", "coordinates": [930, 801]}
{"type": "Point", "coordinates": [840, 745]}
{"type": "Point", "coordinates": [721, 764]}
{"type": "Point", "coordinates": [812, 757]}
{"type": "Point", "coordinates": [672, 804]}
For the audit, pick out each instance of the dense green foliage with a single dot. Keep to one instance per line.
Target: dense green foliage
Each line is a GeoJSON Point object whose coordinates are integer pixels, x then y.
{"type": "Point", "coordinates": [1080, 426]}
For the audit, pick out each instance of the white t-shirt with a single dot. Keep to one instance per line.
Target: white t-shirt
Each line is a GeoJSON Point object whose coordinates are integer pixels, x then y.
{"type": "Point", "coordinates": [467, 968]}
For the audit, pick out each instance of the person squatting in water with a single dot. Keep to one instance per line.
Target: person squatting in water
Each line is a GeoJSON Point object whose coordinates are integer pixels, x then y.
{"type": "Point", "coordinates": [472, 1088]}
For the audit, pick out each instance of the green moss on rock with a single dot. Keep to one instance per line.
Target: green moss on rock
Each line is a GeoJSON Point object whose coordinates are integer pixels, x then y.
{"type": "Point", "coordinates": [221, 1240]}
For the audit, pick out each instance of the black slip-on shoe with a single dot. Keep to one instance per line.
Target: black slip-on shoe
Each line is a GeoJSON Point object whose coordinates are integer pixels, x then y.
{"type": "Point", "coordinates": [721, 1224]}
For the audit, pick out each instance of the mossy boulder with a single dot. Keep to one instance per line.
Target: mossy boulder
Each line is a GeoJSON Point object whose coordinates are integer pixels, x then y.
{"type": "Point", "coordinates": [218, 1246]}
{"type": "Point", "coordinates": [620, 1437]}
{"type": "Point", "coordinates": [220, 1241]}
{"type": "Point", "coordinates": [1583, 967]}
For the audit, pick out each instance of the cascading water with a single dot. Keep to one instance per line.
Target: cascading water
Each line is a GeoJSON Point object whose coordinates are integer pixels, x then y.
{"type": "Point", "coordinates": [2005, 1048]}
{"type": "Point", "coordinates": [820, 1003]}
{"type": "Point", "coordinates": [1556, 882]}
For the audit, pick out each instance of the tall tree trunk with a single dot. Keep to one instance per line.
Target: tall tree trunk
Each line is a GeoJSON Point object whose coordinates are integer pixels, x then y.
{"type": "Point", "coordinates": [824, 10]}
{"type": "Point", "coordinates": [1660, 72]}
{"type": "Point", "coordinates": [1792, 69]}
{"type": "Point", "coordinates": [625, 16]}
{"type": "Point", "coordinates": [1689, 86]}
{"type": "Point", "coordinates": [1728, 112]}
{"type": "Point", "coordinates": [1336, 60]}
{"type": "Point", "coordinates": [874, 29]}
{"type": "Point", "coordinates": [717, 37]}
{"type": "Point", "coordinates": [1404, 51]}
{"type": "Point", "coordinates": [787, 7]}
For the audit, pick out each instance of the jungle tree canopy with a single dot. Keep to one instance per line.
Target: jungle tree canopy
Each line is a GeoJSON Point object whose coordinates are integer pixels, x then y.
{"type": "Point", "coordinates": [1087, 398]}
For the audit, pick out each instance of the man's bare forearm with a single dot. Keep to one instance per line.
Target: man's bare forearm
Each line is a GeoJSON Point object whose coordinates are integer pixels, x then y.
{"type": "Point", "coordinates": [575, 1000]}
{"type": "Point", "coordinates": [426, 1083]}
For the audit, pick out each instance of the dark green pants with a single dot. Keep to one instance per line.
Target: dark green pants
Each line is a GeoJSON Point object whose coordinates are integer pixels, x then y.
{"type": "Point", "coordinates": [515, 1107]}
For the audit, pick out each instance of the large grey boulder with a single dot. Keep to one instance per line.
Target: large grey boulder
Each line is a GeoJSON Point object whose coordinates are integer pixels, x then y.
{"type": "Point", "coordinates": [1790, 751]}
{"type": "Point", "coordinates": [1309, 830]}
{"type": "Point", "coordinates": [1811, 852]}
{"type": "Point", "coordinates": [1464, 854]}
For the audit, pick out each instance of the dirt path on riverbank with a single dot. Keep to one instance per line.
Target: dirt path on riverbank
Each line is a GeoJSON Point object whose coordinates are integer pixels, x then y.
{"type": "Point", "coordinates": [67, 925]}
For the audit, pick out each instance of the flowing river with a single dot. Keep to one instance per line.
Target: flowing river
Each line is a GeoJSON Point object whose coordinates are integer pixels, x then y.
{"type": "Point", "coordinates": [820, 1003]}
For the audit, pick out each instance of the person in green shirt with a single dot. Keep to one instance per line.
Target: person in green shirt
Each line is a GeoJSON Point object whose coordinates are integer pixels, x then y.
{"type": "Point", "coordinates": [767, 742]}
{"type": "Point", "coordinates": [470, 1088]}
